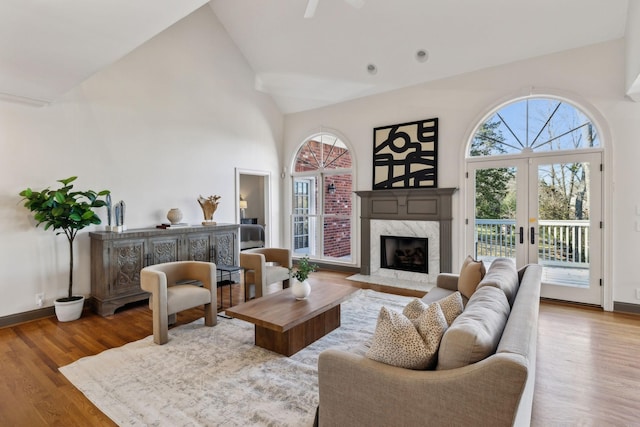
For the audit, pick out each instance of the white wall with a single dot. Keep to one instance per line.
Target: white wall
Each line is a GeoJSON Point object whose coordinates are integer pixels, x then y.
{"type": "Point", "coordinates": [168, 122]}
{"type": "Point", "coordinates": [594, 75]}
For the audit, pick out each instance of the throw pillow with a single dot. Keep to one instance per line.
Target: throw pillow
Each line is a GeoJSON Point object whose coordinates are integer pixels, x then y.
{"type": "Point", "coordinates": [396, 341]}
{"type": "Point", "coordinates": [414, 309]}
{"type": "Point", "coordinates": [451, 306]}
{"type": "Point", "coordinates": [471, 274]}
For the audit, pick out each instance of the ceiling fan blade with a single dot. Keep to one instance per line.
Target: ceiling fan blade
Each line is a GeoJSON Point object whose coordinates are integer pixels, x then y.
{"type": "Point", "coordinates": [356, 3]}
{"type": "Point", "coordinates": [311, 8]}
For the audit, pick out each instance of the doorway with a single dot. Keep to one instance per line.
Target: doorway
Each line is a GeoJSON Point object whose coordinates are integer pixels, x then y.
{"type": "Point", "coordinates": [543, 210]}
{"type": "Point", "coordinates": [253, 199]}
{"type": "Point", "coordinates": [534, 194]}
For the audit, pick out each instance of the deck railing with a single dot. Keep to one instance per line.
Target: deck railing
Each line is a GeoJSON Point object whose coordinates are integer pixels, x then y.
{"type": "Point", "coordinates": [562, 243]}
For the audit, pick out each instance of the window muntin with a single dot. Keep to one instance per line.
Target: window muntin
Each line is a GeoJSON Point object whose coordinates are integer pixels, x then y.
{"type": "Point", "coordinates": [534, 125]}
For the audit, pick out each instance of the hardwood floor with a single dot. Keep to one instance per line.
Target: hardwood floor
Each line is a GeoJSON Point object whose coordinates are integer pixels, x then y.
{"type": "Point", "coordinates": [588, 369]}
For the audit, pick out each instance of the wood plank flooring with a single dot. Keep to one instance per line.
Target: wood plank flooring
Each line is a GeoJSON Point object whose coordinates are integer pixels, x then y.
{"type": "Point", "coordinates": [588, 366]}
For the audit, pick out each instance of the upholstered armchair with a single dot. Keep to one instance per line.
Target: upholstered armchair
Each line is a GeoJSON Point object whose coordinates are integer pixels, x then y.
{"type": "Point", "coordinates": [174, 287]}
{"type": "Point", "coordinates": [262, 267]}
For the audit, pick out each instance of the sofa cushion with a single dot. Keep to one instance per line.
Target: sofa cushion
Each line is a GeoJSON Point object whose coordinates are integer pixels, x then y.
{"type": "Point", "coordinates": [475, 334]}
{"type": "Point", "coordinates": [471, 274]}
{"type": "Point", "coordinates": [503, 275]}
{"type": "Point", "coordinates": [396, 341]}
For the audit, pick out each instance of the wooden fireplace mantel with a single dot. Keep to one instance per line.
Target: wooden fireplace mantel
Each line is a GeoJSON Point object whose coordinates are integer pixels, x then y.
{"type": "Point", "coordinates": [407, 204]}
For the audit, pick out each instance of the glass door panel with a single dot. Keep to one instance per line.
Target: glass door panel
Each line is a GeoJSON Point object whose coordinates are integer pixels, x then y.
{"type": "Point", "coordinates": [542, 210]}
{"type": "Point", "coordinates": [567, 233]}
{"type": "Point", "coordinates": [496, 210]}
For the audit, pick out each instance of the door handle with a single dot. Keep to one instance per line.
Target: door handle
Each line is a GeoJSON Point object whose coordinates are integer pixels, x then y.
{"type": "Point", "coordinates": [533, 236]}
{"type": "Point", "coordinates": [521, 235]}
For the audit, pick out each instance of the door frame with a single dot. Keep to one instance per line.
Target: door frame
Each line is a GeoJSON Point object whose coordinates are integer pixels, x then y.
{"type": "Point", "coordinates": [266, 191]}
{"type": "Point", "coordinates": [607, 148]}
{"type": "Point", "coordinates": [527, 172]}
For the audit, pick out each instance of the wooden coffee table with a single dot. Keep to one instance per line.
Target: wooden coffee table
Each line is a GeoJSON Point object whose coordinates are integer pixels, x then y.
{"type": "Point", "coordinates": [286, 325]}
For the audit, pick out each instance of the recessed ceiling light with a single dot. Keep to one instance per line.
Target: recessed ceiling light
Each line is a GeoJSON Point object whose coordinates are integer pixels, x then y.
{"type": "Point", "coordinates": [372, 69]}
{"type": "Point", "coordinates": [422, 55]}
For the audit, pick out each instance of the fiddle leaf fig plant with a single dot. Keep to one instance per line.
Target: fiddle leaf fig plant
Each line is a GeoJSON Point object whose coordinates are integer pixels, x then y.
{"type": "Point", "coordinates": [304, 268]}
{"type": "Point", "coordinates": [64, 211]}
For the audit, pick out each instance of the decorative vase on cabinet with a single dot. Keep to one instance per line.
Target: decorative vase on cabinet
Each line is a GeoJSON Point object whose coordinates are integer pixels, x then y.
{"type": "Point", "coordinates": [174, 216]}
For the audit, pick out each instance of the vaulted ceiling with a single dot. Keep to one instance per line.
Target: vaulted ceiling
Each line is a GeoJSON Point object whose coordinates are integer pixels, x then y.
{"type": "Point", "coordinates": [348, 49]}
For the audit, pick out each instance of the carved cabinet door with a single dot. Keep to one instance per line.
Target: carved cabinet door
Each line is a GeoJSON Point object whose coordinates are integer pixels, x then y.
{"type": "Point", "coordinates": [127, 259]}
{"type": "Point", "coordinates": [198, 247]}
{"type": "Point", "coordinates": [163, 249]}
{"type": "Point", "coordinates": [225, 248]}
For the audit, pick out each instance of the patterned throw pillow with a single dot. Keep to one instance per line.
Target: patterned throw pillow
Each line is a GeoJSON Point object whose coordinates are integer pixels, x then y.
{"type": "Point", "coordinates": [415, 308]}
{"type": "Point", "coordinates": [471, 274]}
{"type": "Point", "coordinates": [396, 341]}
{"type": "Point", "coordinates": [452, 306]}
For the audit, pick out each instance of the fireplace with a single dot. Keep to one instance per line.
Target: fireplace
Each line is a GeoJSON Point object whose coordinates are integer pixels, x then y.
{"type": "Point", "coordinates": [404, 253]}
{"type": "Point", "coordinates": [420, 213]}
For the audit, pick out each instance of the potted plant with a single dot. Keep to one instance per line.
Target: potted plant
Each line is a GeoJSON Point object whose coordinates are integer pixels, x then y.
{"type": "Point", "coordinates": [300, 287]}
{"type": "Point", "coordinates": [65, 211]}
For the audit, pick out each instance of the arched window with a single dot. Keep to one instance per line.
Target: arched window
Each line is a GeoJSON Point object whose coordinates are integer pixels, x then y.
{"type": "Point", "coordinates": [534, 125]}
{"type": "Point", "coordinates": [322, 223]}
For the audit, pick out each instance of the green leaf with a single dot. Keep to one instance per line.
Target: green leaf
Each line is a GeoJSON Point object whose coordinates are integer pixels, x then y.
{"type": "Point", "coordinates": [88, 214]}
{"type": "Point", "coordinates": [75, 217]}
{"type": "Point", "coordinates": [68, 180]}
{"type": "Point", "coordinates": [60, 197]}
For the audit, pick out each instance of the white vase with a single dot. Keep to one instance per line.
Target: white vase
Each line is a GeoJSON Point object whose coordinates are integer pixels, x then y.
{"type": "Point", "coordinates": [67, 311]}
{"type": "Point", "coordinates": [300, 290]}
{"type": "Point", "coordinates": [174, 216]}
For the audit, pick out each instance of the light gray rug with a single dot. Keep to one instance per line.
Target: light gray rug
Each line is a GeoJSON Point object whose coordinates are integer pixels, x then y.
{"type": "Point", "coordinates": [217, 376]}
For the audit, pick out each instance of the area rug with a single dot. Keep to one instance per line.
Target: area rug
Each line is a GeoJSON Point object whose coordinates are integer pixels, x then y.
{"type": "Point", "coordinates": [217, 376]}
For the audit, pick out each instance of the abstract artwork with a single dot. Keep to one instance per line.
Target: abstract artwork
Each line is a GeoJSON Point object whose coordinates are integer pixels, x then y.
{"type": "Point", "coordinates": [405, 155]}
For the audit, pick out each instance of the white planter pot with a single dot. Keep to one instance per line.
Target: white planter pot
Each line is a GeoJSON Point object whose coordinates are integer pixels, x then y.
{"type": "Point", "coordinates": [67, 311]}
{"type": "Point", "coordinates": [300, 290]}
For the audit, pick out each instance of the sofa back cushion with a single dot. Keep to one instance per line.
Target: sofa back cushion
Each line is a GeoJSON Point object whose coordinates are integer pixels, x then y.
{"type": "Point", "coordinates": [475, 334]}
{"type": "Point", "coordinates": [502, 274]}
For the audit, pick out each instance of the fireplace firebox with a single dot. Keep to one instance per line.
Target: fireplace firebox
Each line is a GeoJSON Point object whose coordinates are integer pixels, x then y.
{"type": "Point", "coordinates": [404, 253]}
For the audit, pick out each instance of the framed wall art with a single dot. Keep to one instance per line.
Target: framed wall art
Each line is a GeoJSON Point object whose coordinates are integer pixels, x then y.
{"type": "Point", "coordinates": [406, 155]}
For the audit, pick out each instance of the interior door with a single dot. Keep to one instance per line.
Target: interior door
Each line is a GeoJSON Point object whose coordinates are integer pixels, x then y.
{"type": "Point", "coordinates": [545, 210]}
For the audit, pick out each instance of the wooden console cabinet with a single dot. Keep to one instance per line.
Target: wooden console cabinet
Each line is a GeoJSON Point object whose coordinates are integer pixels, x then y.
{"type": "Point", "coordinates": [117, 258]}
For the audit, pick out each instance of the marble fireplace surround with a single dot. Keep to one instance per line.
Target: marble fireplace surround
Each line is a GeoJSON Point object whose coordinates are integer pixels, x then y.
{"type": "Point", "coordinates": [419, 212]}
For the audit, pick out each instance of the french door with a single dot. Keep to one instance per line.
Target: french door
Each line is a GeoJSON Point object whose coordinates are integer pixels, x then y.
{"type": "Point", "coordinates": [543, 209]}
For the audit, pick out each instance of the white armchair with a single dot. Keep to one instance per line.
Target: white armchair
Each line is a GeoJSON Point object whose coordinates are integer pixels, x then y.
{"type": "Point", "coordinates": [262, 267]}
{"type": "Point", "coordinates": [169, 295]}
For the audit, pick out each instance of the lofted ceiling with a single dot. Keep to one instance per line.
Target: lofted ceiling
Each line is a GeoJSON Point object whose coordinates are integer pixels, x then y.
{"type": "Point", "coordinates": [48, 47]}
{"type": "Point", "coordinates": [309, 63]}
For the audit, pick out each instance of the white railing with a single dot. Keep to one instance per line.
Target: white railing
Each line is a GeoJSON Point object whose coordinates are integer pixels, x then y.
{"type": "Point", "coordinates": [562, 243]}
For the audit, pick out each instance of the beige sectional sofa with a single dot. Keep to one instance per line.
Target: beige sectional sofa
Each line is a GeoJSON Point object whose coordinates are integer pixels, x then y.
{"type": "Point", "coordinates": [468, 387]}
